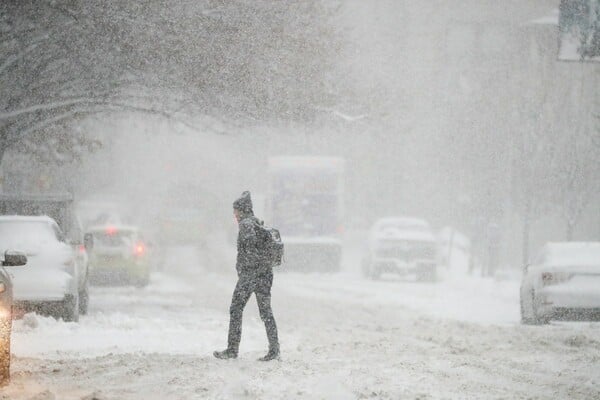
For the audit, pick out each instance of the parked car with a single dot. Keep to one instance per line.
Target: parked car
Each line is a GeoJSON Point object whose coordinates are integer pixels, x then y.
{"type": "Point", "coordinates": [401, 245]}
{"type": "Point", "coordinates": [11, 259]}
{"type": "Point", "coordinates": [59, 207]}
{"type": "Point", "coordinates": [120, 256]}
{"type": "Point", "coordinates": [562, 283]}
{"type": "Point", "coordinates": [51, 284]}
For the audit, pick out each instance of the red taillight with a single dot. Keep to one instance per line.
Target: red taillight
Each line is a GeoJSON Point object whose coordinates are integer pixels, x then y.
{"type": "Point", "coordinates": [111, 230]}
{"type": "Point", "coordinates": [139, 249]}
{"type": "Point", "coordinates": [81, 249]}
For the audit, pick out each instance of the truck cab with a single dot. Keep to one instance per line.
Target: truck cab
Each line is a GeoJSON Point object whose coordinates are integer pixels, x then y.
{"type": "Point", "coordinates": [305, 202]}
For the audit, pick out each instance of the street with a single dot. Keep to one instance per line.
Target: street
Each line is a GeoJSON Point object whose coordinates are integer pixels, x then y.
{"type": "Point", "coordinates": [423, 176]}
{"type": "Point", "coordinates": [342, 337]}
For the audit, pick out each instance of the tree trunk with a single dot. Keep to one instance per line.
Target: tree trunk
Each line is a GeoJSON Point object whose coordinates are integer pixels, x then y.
{"type": "Point", "coordinates": [526, 231]}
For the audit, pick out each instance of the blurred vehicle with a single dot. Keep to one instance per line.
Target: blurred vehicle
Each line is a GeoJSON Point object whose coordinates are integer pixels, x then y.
{"type": "Point", "coordinates": [401, 245]}
{"type": "Point", "coordinates": [52, 282]}
{"type": "Point", "coordinates": [11, 259]}
{"type": "Point", "coordinates": [562, 283]}
{"type": "Point", "coordinates": [120, 256]}
{"type": "Point", "coordinates": [60, 207]}
{"type": "Point", "coordinates": [305, 202]}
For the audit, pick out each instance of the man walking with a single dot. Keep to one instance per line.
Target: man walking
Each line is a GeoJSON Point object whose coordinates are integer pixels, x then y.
{"type": "Point", "coordinates": [253, 277]}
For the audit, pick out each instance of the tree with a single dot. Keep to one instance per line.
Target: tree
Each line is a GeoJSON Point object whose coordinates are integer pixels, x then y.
{"type": "Point", "coordinates": [240, 60]}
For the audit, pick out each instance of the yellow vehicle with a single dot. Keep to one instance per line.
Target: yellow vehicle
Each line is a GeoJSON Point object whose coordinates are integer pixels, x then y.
{"type": "Point", "coordinates": [120, 256]}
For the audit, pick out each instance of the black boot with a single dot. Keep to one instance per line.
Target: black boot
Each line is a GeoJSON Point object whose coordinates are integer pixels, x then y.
{"type": "Point", "coordinates": [273, 354]}
{"type": "Point", "coordinates": [225, 354]}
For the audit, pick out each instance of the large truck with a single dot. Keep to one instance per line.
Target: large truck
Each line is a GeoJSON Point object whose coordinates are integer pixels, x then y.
{"type": "Point", "coordinates": [305, 202]}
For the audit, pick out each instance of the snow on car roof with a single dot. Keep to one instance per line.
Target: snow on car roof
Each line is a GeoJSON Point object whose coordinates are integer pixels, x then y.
{"type": "Point", "coordinates": [401, 228]}
{"type": "Point", "coordinates": [27, 218]}
{"type": "Point", "coordinates": [572, 253]}
{"type": "Point", "coordinates": [398, 234]}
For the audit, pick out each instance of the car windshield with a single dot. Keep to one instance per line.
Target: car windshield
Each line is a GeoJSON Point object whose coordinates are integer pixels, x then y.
{"type": "Point", "coordinates": [19, 234]}
{"type": "Point", "coordinates": [114, 238]}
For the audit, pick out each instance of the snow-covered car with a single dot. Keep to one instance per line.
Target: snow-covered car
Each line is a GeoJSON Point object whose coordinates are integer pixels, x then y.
{"type": "Point", "coordinates": [11, 259]}
{"type": "Point", "coordinates": [120, 256]}
{"type": "Point", "coordinates": [562, 283]}
{"type": "Point", "coordinates": [59, 207]}
{"type": "Point", "coordinates": [50, 284]}
{"type": "Point", "coordinates": [401, 245]}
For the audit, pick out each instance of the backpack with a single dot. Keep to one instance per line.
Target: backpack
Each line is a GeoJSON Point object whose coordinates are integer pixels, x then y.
{"type": "Point", "coordinates": [270, 248]}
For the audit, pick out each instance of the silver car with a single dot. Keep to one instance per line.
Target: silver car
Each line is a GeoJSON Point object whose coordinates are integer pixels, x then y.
{"type": "Point", "coordinates": [562, 283]}
{"type": "Point", "coordinates": [401, 245]}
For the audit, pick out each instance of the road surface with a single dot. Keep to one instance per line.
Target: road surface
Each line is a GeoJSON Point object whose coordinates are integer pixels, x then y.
{"type": "Point", "coordinates": [342, 337]}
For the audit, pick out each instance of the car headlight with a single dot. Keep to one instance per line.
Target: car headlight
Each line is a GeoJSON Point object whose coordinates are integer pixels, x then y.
{"type": "Point", "coordinates": [554, 278]}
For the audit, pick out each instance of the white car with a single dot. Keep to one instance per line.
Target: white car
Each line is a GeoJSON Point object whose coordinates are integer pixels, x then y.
{"type": "Point", "coordinates": [562, 283]}
{"type": "Point", "coordinates": [401, 245]}
{"type": "Point", "coordinates": [50, 284]}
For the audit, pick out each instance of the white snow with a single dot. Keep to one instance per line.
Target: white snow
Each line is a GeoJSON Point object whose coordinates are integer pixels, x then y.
{"type": "Point", "coordinates": [43, 277]}
{"type": "Point", "coordinates": [342, 337]}
{"type": "Point", "coordinates": [573, 254]}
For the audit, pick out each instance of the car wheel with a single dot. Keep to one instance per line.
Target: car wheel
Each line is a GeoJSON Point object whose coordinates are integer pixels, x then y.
{"type": "Point", "coordinates": [5, 327]}
{"type": "Point", "coordinates": [84, 299]}
{"type": "Point", "coordinates": [70, 306]}
{"type": "Point", "coordinates": [142, 282]}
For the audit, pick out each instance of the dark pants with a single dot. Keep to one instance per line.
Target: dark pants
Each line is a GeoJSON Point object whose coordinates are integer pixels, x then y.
{"type": "Point", "coordinates": [260, 285]}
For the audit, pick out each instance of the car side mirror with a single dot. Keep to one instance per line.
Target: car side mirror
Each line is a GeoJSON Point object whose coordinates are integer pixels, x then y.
{"type": "Point", "coordinates": [88, 241]}
{"type": "Point", "coordinates": [14, 259]}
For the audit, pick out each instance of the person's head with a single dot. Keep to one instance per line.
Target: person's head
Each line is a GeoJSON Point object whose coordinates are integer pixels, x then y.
{"type": "Point", "coordinates": [242, 207]}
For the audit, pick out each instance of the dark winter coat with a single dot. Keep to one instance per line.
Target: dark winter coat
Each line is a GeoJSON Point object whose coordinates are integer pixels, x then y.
{"type": "Point", "coordinates": [248, 261]}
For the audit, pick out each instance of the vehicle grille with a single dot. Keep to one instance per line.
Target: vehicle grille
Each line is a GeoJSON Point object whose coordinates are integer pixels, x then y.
{"type": "Point", "coordinates": [408, 252]}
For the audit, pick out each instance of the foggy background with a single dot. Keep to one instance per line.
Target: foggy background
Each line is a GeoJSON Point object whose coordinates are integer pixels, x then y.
{"type": "Point", "coordinates": [456, 112]}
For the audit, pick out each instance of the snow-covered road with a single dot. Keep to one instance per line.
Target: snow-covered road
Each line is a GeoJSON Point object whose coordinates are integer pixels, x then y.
{"type": "Point", "coordinates": [342, 338]}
